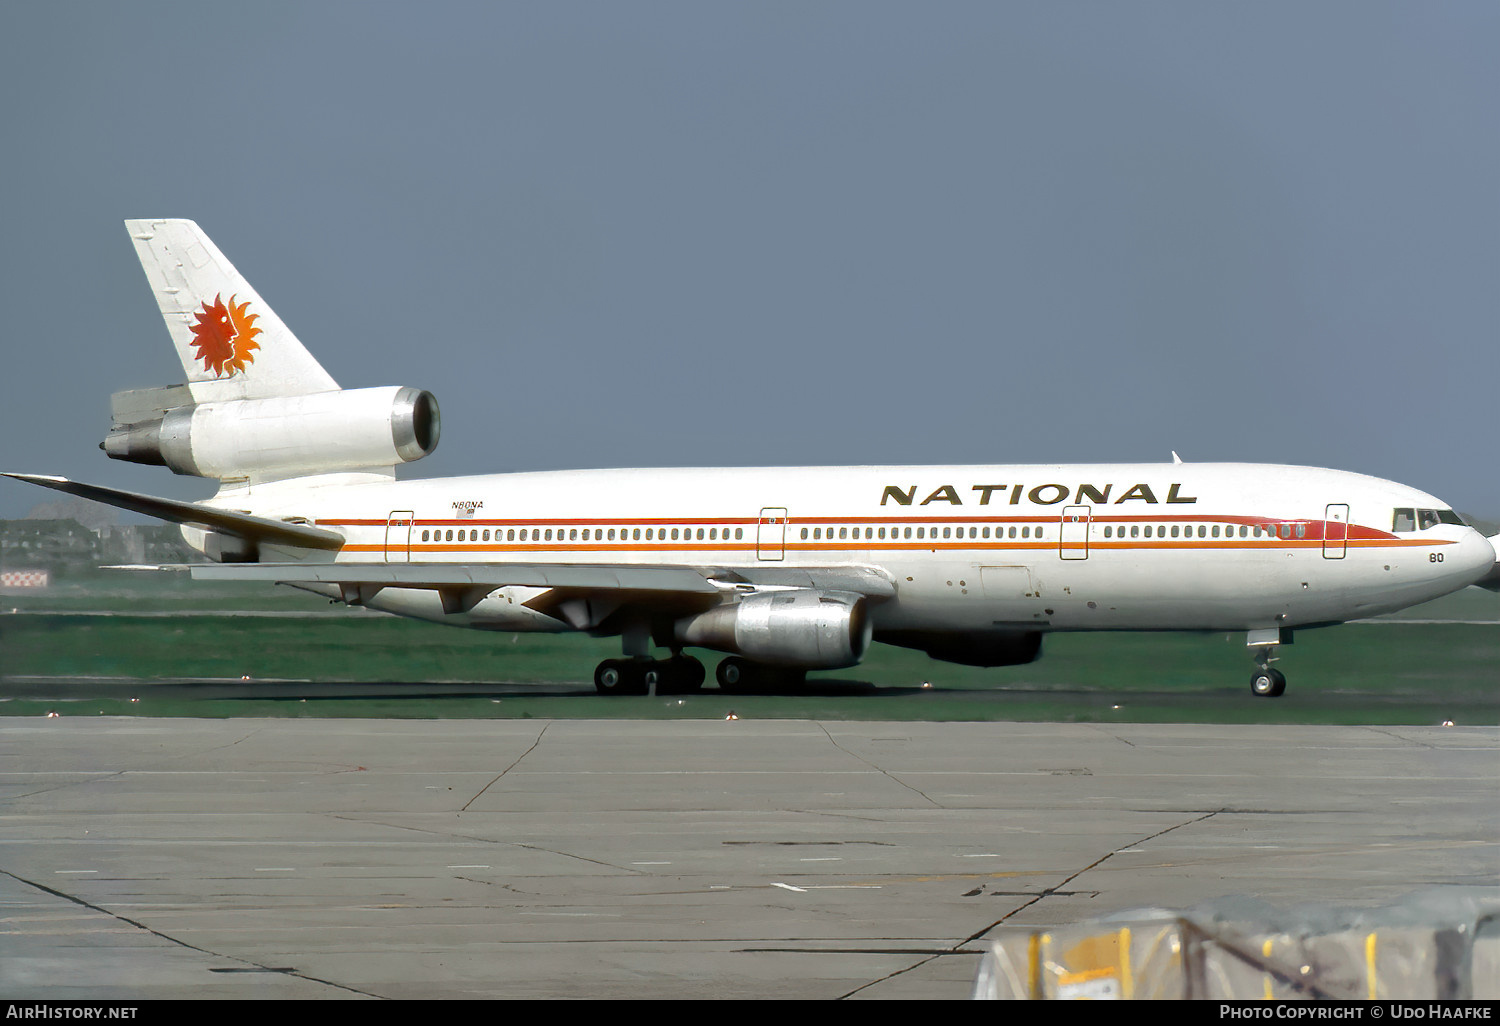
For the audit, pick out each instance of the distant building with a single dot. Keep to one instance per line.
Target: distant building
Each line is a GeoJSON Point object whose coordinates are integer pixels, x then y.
{"type": "Point", "coordinates": [55, 545]}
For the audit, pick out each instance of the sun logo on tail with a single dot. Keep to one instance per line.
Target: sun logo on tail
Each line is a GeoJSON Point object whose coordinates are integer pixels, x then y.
{"type": "Point", "coordinates": [225, 336]}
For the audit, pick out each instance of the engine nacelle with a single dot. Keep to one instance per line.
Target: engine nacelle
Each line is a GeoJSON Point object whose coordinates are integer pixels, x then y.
{"type": "Point", "coordinates": [807, 629]}
{"type": "Point", "coordinates": [980, 648]}
{"type": "Point", "coordinates": [286, 436]}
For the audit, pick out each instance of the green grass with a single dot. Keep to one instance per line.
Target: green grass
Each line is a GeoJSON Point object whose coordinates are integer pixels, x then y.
{"type": "Point", "coordinates": [192, 665]}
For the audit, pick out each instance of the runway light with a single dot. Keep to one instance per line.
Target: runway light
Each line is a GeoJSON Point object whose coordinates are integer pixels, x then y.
{"type": "Point", "coordinates": [732, 715]}
{"type": "Point", "coordinates": [927, 683]}
{"type": "Point", "coordinates": [1447, 723]}
{"type": "Point", "coordinates": [52, 714]}
{"type": "Point", "coordinates": [245, 676]}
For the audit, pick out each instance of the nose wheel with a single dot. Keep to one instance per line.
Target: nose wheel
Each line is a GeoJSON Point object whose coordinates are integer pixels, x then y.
{"type": "Point", "coordinates": [1266, 682]}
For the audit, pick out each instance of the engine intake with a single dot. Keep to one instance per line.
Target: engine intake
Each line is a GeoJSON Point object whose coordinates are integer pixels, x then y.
{"type": "Point", "coordinates": [802, 628]}
{"type": "Point", "coordinates": [286, 436]}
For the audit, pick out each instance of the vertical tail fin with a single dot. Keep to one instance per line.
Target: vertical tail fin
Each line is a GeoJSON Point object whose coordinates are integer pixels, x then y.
{"type": "Point", "coordinates": [231, 343]}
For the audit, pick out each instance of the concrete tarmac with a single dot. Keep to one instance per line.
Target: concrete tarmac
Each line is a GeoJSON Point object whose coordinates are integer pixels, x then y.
{"type": "Point", "coordinates": [179, 858]}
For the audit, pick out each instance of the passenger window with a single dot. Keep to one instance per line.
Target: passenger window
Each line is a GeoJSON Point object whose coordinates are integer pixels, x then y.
{"type": "Point", "coordinates": [739, 532]}
{"type": "Point", "coordinates": [1174, 531]}
{"type": "Point", "coordinates": [1301, 530]}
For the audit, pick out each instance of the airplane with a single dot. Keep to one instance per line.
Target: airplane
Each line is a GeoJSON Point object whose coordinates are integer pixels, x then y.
{"type": "Point", "coordinates": [783, 570]}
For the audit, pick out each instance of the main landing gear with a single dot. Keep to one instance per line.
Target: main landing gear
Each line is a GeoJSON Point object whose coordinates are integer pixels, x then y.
{"type": "Point", "coordinates": [741, 677]}
{"type": "Point", "coordinates": [684, 675]}
{"type": "Point", "coordinates": [680, 675]}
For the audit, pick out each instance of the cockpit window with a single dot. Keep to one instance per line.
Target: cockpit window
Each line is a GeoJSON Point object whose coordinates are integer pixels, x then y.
{"type": "Point", "coordinates": [1407, 520]}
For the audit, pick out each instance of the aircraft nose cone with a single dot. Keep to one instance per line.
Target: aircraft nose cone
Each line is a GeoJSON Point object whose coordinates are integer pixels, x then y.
{"type": "Point", "coordinates": [1478, 558]}
{"type": "Point", "coordinates": [1490, 578]}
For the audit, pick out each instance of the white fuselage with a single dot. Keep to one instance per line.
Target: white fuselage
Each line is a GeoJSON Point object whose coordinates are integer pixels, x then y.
{"type": "Point", "coordinates": [968, 548]}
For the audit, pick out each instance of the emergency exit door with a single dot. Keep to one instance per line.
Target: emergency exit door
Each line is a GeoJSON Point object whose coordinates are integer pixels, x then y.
{"type": "Point", "coordinates": [770, 534]}
{"type": "Point", "coordinates": [1335, 531]}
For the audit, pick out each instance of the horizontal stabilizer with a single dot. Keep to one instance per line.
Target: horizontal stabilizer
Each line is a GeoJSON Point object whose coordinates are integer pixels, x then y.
{"type": "Point", "coordinates": [239, 525]}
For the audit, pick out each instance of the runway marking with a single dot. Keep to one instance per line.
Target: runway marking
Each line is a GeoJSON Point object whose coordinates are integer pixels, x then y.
{"type": "Point", "coordinates": [62, 871]}
{"type": "Point", "coordinates": [789, 887]}
{"type": "Point", "coordinates": [459, 867]}
{"type": "Point", "coordinates": [274, 869]}
{"type": "Point", "coordinates": [825, 858]}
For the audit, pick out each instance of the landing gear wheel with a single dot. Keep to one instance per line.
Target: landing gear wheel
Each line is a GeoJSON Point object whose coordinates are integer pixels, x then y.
{"type": "Point", "coordinates": [1267, 683]}
{"type": "Point", "coordinates": [620, 677]}
{"type": "Point", "coordinates": [741, 677]}
{"type": "Point", "coordinates": [734, 676]}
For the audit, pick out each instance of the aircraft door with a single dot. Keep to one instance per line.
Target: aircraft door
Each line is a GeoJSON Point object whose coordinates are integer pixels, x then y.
{"type": "Point", "coordinates": [770, 534]}
{"type": "Point", "coordinates": [398, 536]}
{"type": "Point", "coordinates": [1335, 530]}
{"type": "Point", "coordinates": [1074, 532]}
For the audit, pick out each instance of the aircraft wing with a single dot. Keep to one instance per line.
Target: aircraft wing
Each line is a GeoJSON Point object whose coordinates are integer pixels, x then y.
{"type": "Point", "coordinates": [698, 580]}
{"type": "Point", "coordinates": [579, 595]}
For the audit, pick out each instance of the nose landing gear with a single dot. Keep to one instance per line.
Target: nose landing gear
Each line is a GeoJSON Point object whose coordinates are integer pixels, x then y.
{"type": "Point", "coordinates": [1266, 682]}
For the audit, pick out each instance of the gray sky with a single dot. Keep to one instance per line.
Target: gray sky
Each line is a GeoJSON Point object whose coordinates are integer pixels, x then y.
{"type": "Point", "coordinates": [698, 233]}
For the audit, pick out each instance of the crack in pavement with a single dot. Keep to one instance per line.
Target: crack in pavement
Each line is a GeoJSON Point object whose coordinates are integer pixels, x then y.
{"type": "Point", "coordinates": [867, 762]}
{"type": "Point", "coordinates": [507, 769]}
{"type": "Point", "coordinates": [253, 965]}
{"type": "Point", "coordinates": [958, 948]}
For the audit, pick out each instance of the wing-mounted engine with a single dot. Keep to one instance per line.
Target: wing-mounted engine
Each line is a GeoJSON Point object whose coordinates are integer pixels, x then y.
{"type": "Point", "coordinates": [283, 436]}
{"type": "Point", "coordinates": [803, 628]}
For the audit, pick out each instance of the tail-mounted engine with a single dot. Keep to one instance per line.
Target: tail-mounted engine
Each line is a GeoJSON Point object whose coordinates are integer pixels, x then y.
{"type": "Point", "coordinates": [801, 628]}
{"type": "Point", "coordinates": [288, 436]}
